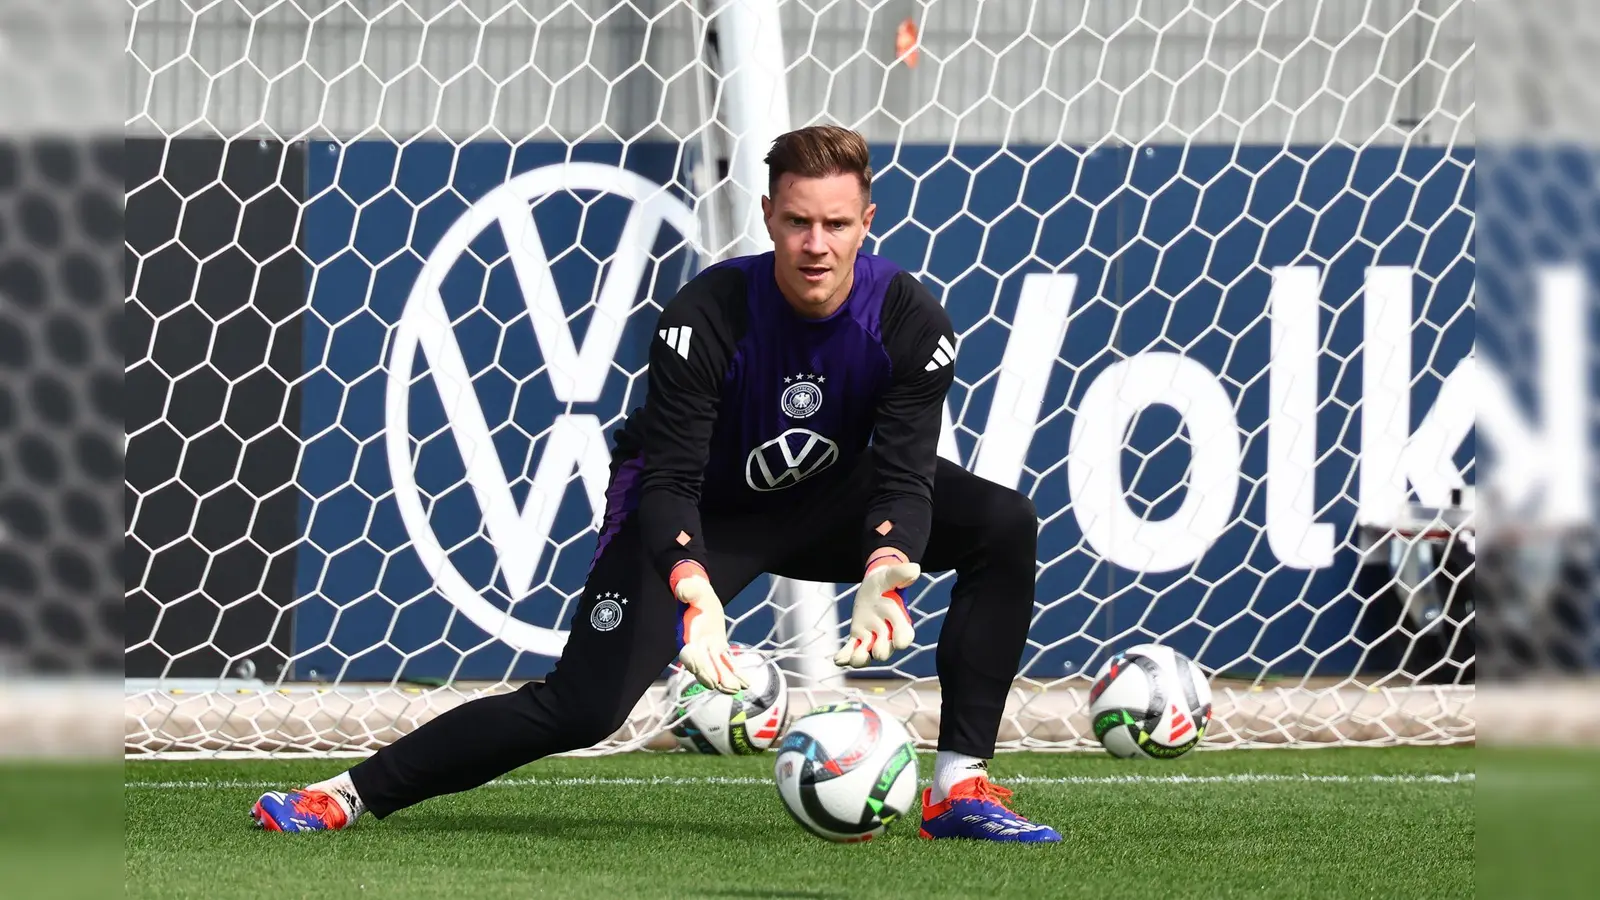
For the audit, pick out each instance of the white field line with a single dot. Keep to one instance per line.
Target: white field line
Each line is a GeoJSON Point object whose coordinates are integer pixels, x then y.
{"type": "Point", "coordinates": [747, 781]}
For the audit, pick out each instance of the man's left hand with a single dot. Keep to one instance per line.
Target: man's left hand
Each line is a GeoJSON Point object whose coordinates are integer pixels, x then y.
{"type": "Point", "coordinates": [880, 624]}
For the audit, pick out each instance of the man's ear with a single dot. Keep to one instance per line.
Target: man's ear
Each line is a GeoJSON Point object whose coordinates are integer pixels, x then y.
{"type": "Point", "coordinates": [767, 208]}
{"type": "Point", "coordinates": [866, 216]}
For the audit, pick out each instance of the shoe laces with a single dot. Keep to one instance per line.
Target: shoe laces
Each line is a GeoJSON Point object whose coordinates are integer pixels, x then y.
{"type": "Point", "coordinates": [980, 788]}
{"type": "Point", "coordinates": [320, 805]}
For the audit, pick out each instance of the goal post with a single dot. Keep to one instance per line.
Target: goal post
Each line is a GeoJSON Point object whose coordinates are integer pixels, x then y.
{"type": "Point", "coordinates": [746, 60]}
{"type": "Point", "coordinates": [395, 266]}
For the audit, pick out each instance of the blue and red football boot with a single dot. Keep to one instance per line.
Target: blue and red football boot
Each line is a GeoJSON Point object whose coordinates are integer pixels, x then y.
{"type": "Point", "coordinates": [302, 810]}
{"type": "Point", "coordinates": [976, 810]}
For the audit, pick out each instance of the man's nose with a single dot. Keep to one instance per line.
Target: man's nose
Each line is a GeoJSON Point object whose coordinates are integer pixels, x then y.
{"type": "Point", "coordinates": [814, 243]}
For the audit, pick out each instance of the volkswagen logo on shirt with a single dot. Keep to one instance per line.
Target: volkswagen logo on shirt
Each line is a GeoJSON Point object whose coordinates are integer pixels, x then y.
{"type": "Point", "coordinates": [789, 459]}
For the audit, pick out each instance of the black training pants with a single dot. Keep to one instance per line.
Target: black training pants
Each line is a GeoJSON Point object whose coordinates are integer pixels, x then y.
{"type": "Point", "coordinates": [985, 532]}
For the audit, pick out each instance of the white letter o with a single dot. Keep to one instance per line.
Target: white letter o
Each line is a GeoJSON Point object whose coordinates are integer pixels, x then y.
{"type": "Point", "coordinates": [1094, 462]}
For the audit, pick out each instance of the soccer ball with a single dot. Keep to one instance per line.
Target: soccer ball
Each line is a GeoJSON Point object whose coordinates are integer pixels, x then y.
{"type": "Point", "coordinates": [739, 724]}
{"type": "Point", "coordinates": [846, 772]}
{"type": "Point", "coordinates": [1149, 701]}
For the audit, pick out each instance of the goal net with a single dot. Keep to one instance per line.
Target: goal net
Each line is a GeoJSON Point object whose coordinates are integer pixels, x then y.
{"type": "Point", "coordinates": [393, 267]}
{"type": "Point", "coordinates": [1537, 268]}
{"type": "Point", "coordinates": [60, 378]}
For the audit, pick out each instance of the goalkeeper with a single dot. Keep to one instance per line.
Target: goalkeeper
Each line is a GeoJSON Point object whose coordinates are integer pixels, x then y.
{"type": "Point", "coordinates": [791, 427]}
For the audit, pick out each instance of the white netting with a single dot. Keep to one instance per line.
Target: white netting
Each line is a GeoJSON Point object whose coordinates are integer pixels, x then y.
{"type": "Point", "coordinates": [60, 390]}
{"type": "Point", "coordinates": [1538, 269]}
{"type": "Point", "coordinates": [1210, 264]}
{"type": "Point", "coordinates": [60, 342]}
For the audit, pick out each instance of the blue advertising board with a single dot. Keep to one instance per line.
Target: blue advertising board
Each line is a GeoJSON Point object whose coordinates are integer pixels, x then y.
{"type": "Point", "coordinates": [1538, 328]}
{"type": "Point", "coordinates": [431, 285]}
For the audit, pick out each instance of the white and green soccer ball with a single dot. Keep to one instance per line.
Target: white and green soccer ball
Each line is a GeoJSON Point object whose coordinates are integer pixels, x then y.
{"type": "Point", "coordinates": [1149, 701]}
{"type": "Point", "coordinates": [847, 771]}
{"type": "Point", "coordinates": [708, 721]}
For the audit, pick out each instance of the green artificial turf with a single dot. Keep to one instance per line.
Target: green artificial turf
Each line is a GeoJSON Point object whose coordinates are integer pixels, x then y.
{"type": "Point", "coordinates": [1280, 824]}
{"type": "Point", "coordinates": [1539, 822]}
{"type": "Point", "coordinates": [61, 829]}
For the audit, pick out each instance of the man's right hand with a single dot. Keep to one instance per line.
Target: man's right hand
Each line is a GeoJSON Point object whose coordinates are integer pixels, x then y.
{"type": "Point", "coordinates": [703, 630]}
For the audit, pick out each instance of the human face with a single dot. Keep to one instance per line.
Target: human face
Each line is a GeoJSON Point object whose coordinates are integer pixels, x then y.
{"type": "Point", "coordinates": [817, 226]}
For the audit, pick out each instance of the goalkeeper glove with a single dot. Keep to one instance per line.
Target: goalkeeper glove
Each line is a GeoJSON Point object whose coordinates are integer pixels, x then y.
{"type": "Point", "coordinates": [703, 631]}
{"type": "Point", "coordinates": [880, 624]}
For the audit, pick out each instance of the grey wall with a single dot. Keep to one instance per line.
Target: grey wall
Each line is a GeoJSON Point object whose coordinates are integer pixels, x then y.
{"type": "Point", "coordinates": [61, 71]}
{"type": "Point", "coordinates": [1538, 80]}
{"type": "Point", "coordinates": [1025, 71]}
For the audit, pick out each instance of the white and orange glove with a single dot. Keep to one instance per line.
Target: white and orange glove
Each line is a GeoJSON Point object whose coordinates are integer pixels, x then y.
{"type": "Point", "coordinates": [880, 625]}
{"type": "Point", "coordinates": [703, 630]}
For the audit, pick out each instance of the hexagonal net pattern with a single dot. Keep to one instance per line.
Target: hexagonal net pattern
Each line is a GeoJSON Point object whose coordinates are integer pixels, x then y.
{"type": "Point", "coordinates": [60, 345]}
{"type": "Point", "coordinates": [59, 401]}
{"type": "Point", "coordinates": [395, 266]}
{"type": "Point", "coordinates": [1537, 269]}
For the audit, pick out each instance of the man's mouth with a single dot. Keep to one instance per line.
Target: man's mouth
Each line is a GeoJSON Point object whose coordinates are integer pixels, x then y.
{"type": "Point", "coordinates": [814, 273]}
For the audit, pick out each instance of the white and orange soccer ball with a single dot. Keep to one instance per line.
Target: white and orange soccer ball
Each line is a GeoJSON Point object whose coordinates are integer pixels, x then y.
{"type": "Point", "coordinates": [1150, 701]}
{"type": "Point", "coordinates": [708, 721]}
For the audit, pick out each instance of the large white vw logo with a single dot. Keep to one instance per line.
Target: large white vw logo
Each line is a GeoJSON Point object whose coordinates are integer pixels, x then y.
{"type": "Point", "coordinates": [519, 536]}
{"type": "Point", "coordinates": [789, 459]}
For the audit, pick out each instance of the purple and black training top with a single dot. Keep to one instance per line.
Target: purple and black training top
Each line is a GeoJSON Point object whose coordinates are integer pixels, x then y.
{"type": "Point", "coordinates": [752, 406]}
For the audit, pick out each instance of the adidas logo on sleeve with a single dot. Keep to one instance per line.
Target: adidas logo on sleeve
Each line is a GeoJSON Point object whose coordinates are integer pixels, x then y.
{"type": "Point", "coordinates": [677, 337]}
{"type": "Point", "coordinates": [943, 355]}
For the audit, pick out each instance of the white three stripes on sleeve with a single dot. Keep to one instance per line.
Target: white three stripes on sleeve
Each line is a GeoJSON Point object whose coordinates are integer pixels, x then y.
{"type": "Point", "coordinates": [677, 337]}
{"type": "Point", "coordinates": [943, 355]}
